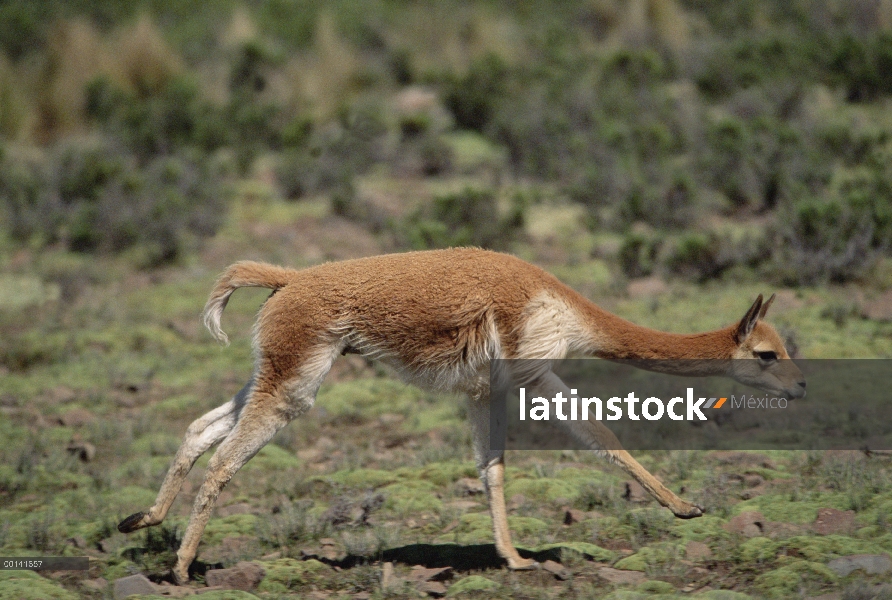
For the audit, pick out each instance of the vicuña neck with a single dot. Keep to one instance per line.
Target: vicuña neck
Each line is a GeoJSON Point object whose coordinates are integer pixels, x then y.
{"type": "Point", "coordinates": [614, 338]}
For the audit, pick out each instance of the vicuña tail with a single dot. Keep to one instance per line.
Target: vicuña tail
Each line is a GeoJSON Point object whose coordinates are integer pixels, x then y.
{"type": "Point", "coordinates": [239, 275]}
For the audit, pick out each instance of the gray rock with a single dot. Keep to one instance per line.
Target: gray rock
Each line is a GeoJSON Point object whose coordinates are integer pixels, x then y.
{"type": "Point", "coordinates": [872, 564]}
{"type": "Point", "coordinates": [620, 576]}
{"type": "Point", "coordinates": [243, 576]}
{"type": "Point", "coordinates": [134, 584]}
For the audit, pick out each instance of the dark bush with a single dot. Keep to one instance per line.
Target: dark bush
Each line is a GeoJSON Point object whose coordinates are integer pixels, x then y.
{"type": "Point", "coordinates": [93, 197]}
{"type": "Point", "coordinates": [822, 240]}
{"type": "Point", "coordinates": [861, 65]}
{"type": "Point", "coordinates": [695, 256]}
{"type": "Point", "coordinates": [474, 98]}
{"type": "Point", "coordinates": [166, 122]}
{"type": "Point", "coordinates": [468, 218]}
{"type": "Point", "coordinates": [326, 159]}
{"type": "Point", "coordinates": [638, 254]}
{"type": "Point", "coordinates": [758, 60]}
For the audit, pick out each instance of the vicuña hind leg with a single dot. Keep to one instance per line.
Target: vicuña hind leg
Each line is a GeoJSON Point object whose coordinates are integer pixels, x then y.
{"type": "Point", "coordinates": [203, 433]}
{"type": "Point", "coordinates": [598, 437]}
{"type": "Point", "coordinates": [491, 466]}
{"type": "Point", "coordinates": [259, 422]}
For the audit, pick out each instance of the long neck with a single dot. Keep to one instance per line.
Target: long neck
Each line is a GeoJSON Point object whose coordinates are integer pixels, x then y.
{"type": "Point", "coordinates": [611, 337]}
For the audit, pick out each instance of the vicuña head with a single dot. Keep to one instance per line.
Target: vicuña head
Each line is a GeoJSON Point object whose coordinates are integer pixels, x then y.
{"type": "Point", "coordinates": [761, 360]}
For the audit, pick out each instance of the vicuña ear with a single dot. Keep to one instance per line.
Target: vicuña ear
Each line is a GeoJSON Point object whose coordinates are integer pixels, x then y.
{"type": "Point", "coordinates": [765, 306]}
{"type": "Point", "coordinates": [749, 320]}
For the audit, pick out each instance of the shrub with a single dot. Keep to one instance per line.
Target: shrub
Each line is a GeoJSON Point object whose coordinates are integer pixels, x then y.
{"type": "Point", "coordinates": [823, 240]}
{"type": "Point", "coordinates": [695, 256]}
{"type": "Point", "coordinates": [638, 254]}
{"type": "Point", "coordinates": [860, 64]}
{"type": "Point", "coordinates": [327, 158]}
{"type": "Point", "coordinates": [468, 218]}
{"type": "Point", "coordinates": [92, 196]}
{"type": "Point", "coordinates": [473, 99]}
{"type": "Point", "coordinates": [174, 118]}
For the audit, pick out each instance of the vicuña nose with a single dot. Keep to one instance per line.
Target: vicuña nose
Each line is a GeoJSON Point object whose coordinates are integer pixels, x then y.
{"type": "Point", "coordinates": [802, 383]}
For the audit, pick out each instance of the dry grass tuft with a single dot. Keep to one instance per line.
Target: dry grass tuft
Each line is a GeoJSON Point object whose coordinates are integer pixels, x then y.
{"type": "Point", "coordinates": [145, 60]}
{"type": "Point", "coordinates": [75, 56]}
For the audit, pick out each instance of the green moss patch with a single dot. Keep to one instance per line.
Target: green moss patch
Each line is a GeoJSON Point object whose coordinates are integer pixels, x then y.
{"type": "Point", "coordinates": [28, 585]}
{"type": "Point", "coordinates": [287, 574]}
{"type": "Point", "coordinates": [471, 584]}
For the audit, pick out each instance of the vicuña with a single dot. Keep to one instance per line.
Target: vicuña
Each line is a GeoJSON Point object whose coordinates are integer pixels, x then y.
{"type": "Point", "coordinates": [438, 318]}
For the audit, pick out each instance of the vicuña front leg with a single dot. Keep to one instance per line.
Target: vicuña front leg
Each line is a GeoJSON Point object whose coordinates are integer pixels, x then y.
{"type": "Point", "coordinates": [598, 437]}
{"type": "Point", "coordinates": [491, 466]}
{"type": "Point", "coordinates": [203, 433]}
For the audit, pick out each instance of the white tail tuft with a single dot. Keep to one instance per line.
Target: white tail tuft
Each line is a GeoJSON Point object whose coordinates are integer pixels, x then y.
{"type": "Point", "coordinates": [213, 312]}
{"type": "Point", "coordinates": [241, 274]}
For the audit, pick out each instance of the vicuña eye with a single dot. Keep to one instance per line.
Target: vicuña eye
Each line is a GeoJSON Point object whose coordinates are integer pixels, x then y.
{"type": "Point", "coordinates": [767, 356]}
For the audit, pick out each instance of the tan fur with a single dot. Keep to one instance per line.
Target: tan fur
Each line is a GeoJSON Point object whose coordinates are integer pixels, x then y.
{"type": "Point", "coordinates": [439, 318]}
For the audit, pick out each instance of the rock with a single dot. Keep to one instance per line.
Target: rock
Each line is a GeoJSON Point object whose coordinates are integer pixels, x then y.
{"type": "Point", "coordinates": [752, 480]}
{"type": "Point", "coordinates": [872, 564]}
{"type": "Point", "coordinates": [469, 486]}
{"type": "Point", "coordinates": [431, 588]}
{"type": "Point", "coordinates": [516, 501]}
{"type": "Point", "coordinates": [462, 505]}
{"type": "Point", "coordinates": [61, 394]}
{"type": "Point", "coordinates": [420, 573]}
{"type": "Point", "coordinates": [635, 492]}
{"type": "Point", "coordinates": [79, 542]}
{"type": "Point", "coordinates": [76, 417]}
{"type": "Point", "coordinates": [879, 309]}
{"type": "Point", "coordinates": [243, 576]}
{"type": "Point", "coordinates": [240, 508]}
{"type": "Point", "coordinates": [134, 584]}
{"type": "Point", "coordinates": [99, 584]}
{"type": "Point", "coordinates": [619, 576]}
{"type": "Point", "coordinates": [647, 287]}
{"type": "Point", "coordinates": [85, 451]}
{"type": "Point", "coordinates": [749, 524]}
{"type": "Point", "coordinates": [697, 551]}
{"type": "Point", "coordinates": [831, 520]}
{"type": "Point", "coordinates": [557, 569]}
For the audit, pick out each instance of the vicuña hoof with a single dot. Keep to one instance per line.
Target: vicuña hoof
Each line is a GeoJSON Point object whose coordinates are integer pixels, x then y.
{"type": "Point", "coordinates": [132, 523]}
{"type": "Point", "coordinates": [690, 511]}
{"type": "Point", "coordinates": [522, 564]}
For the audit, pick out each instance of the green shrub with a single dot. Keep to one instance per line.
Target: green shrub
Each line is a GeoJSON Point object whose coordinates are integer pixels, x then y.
{"type": "Point", "coordinates": [148, 124]}
{"type": "Point", "coordinates": [468, 218]}
{"type": "Point", "coordinates": [474, 98]}
{"type": "Point", "coordinates": [92, 196]}
{"type": "Point", "coordinates": [695, 256]}
{"type": "Point", "coordinates": [861, 64]}
{"type": "Point", "coordinates": [824, 240]}
{"type": "Point", "coordinates": [327, 158]}
{"type": "Point", "coordinates": [638, 254]}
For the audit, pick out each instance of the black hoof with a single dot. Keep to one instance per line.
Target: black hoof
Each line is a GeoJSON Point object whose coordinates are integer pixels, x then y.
{"type": "Point", "coordinates": [697, 512]}
{"type": "Point", "coordinates": [131, 523]}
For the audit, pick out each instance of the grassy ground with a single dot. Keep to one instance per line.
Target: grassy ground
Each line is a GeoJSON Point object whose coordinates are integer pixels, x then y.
{"type": "Point", "coordinates": [103, 368]}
